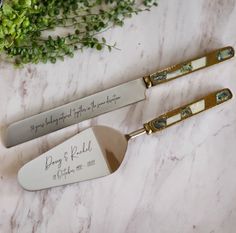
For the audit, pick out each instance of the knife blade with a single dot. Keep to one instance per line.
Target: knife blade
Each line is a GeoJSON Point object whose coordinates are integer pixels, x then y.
{"type": "Point", "coordinates": [105, 101]}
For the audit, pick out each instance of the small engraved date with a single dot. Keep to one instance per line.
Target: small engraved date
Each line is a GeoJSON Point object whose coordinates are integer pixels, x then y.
{"type": "Point", "coordinates": [63, 173]}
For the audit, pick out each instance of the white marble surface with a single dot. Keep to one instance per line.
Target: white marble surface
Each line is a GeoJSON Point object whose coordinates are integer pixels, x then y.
{"type": "Point", "coordinates": [181, 180]}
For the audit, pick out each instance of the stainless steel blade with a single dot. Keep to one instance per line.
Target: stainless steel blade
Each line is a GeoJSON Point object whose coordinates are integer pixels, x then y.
{"type": "Point", "coordinates": [93, 153]}
{"type": "Point", "coordinates": [75, 112]}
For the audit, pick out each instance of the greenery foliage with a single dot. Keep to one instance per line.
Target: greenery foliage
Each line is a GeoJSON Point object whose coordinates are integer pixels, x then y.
{"type": "Point", "coordinates": [30, 29]}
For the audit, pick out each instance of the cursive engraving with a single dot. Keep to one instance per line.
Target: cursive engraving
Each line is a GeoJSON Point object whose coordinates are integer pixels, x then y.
{"type": "Point", "coordinates": [50, 162]}
{"type": "Point", "coordinates": [63, 116]}
{"type": "Point", "coordinates": [75, 151]}
{"type": "Point", "coordinates": [79, 167]}
{"type": "Point", "coordinates": [69, 162]}
{"type": "Point", "coordinates": [64, 173]}
{"type": "Point", "coordinates": [74, 114]}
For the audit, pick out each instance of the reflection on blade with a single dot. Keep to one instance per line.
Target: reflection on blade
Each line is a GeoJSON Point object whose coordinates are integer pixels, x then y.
{"type": "Point", "coordinates": [75, 112]}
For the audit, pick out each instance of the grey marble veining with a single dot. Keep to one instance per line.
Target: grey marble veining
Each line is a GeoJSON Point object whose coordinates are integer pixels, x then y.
{"type": "Point", "coordinates": [181, 180]}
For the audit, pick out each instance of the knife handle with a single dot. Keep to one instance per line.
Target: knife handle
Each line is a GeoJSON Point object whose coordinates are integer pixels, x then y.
{"type": "Point", "coordinates": [189, 66]}
{"type": "Point", "coordinates": [189, 110]}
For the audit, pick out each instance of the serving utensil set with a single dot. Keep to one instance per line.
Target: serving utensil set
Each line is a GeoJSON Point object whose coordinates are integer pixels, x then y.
{"type": "Point", "coordinates": [99, 150]}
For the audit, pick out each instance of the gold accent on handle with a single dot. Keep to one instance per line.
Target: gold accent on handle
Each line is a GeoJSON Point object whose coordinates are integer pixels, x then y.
{"type": "Point", "coordinates": [188, 110]}
{"type": "Point", "coordinates": [135, 134]}
{"type": "Point", "coordinates": [189, 66]}
{"type": "Point", "coordinates": [147, 81]}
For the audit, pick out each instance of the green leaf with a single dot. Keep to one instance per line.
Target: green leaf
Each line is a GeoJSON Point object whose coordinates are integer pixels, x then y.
{"type": "Point", "coordinates": [7, 10]}
{"type": "Point", "coordinates": [99, 47]}
{"type": "Point", "coordinates": [103, 40]}
{"type": "Point", "coordinates": [53, 60]}
{"type": "Point", "coordinates": [1, 33]}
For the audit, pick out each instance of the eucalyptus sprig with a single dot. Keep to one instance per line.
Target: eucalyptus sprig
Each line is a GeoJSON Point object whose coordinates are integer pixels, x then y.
{"type": "Point", "coordinates": [30, 29]}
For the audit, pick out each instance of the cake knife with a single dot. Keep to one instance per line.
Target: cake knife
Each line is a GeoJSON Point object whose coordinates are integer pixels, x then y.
{"type": "Point", "coordinates": [105, 101]}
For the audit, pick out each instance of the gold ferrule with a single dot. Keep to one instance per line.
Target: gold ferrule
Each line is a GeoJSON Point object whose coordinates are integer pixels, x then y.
{"type": "Point", "coordinates": [147, 81]}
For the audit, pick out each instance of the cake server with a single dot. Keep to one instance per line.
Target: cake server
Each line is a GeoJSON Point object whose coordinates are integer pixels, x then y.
{"type": "Point", "coordinates": [99, 151]}
{"type": "Point", "coordinates": [105, 101]}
